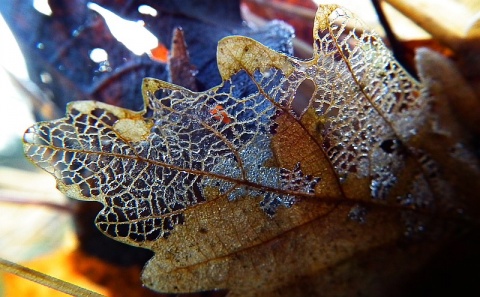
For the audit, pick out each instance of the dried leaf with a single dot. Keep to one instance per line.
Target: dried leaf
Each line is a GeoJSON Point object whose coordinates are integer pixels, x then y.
{"type": "Point", "coordinates": [448, 21]}
{"type": "Point", "coordinates": [251, 188]}
{"type": "Point", "coordinates": [181, 71]}
{"type": "Point", "coordinates": [446, 82]}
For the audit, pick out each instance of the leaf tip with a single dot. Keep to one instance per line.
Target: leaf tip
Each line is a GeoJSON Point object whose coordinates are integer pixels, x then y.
{"type": "Point", "coordinates": [322, 17]}
{"type": "Point", "coordinates": [237, 53]}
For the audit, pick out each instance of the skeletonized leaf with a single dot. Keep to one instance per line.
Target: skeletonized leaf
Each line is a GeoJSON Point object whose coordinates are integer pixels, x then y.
{"type": "Point", "coordinates": [251, 188]}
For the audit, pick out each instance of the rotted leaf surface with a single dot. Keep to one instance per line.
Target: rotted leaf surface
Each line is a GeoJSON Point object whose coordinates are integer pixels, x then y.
{"type": "Point", "coordinates": [251, 188]}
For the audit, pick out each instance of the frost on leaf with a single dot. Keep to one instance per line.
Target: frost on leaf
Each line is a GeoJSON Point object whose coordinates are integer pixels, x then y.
{"type": "Point", "coordinates": [251, 187]}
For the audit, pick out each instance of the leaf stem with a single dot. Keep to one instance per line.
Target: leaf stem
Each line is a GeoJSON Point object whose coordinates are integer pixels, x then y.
{"type": "Point", "coordinates": [45, 280]}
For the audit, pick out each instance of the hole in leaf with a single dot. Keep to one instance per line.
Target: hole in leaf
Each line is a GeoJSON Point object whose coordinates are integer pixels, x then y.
{"type": "Point", "coordinates": [303, 97]}
{"type": "Point", "coordinates": [389, 146]}
{"type": "Point", "coordinates": [159, 94]}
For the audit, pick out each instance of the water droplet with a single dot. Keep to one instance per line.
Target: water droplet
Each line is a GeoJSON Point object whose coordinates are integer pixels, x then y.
{"type": "Point", "coordinates": [266, 74]}
{"type": "Point", "coordinates": [148, 10]}
{"type": "Point", "coordinates": [357, 214]}
{"type": "Point", "coordinates": [98, 55]}
{"type": "Point", "coordinates": [414, 230]}
{"type": "Point", "coordinates": [406, 200]}
{"type": "Point", "coordinates": [45, 77]}
{"type": "Point", "coordinates": [414, 226]}
{"type": "Point", "coordinates": [29, 136]}
{"type": "Point", "coordinates": [104, 67]}
{"type": "Point", "coordinates": [311, 71]}
{"type": "Point", "coordinates": [40, 46]}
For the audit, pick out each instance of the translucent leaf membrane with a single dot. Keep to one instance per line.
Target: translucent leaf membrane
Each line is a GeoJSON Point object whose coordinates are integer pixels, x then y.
{"type": "Point", "coordinates": [251, 187]}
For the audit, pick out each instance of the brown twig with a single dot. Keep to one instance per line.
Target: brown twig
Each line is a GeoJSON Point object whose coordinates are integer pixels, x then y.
{"type": "Point", "coordinates": [396, 46]}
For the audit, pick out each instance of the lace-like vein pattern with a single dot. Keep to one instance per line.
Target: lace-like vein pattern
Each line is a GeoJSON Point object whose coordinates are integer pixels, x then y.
{"type": "Point", "coordinates": [86, 154]}
{"type": "Point", "coordinates": [368, 104]}
{"type": "Point", "coordinates": [371, 106]}
{"type": "Point", "coordinates": [149, 167]}
{"type": "Point", "coordinates": [238, 149]}
{"type": "Point", "coordinates": [146, 182]}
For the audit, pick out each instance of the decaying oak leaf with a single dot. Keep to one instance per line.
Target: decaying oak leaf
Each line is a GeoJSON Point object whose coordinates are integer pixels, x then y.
{"type": "Point", "coordinates": [249, 188]}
